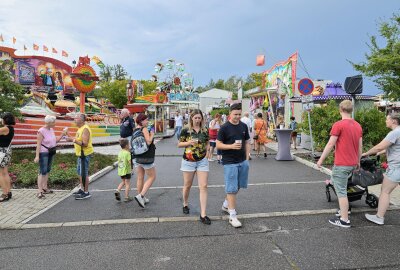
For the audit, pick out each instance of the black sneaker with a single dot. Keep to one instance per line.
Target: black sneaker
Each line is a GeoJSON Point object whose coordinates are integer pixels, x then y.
{"type": "Point", "coordinates": [79, 192]}
{"type": "Point", "coordinates": [186, 210]}
{"type": "Point", "coordinates": [83, 196]}
{"type": "Point", "coordinates": [339, 222]}
{"type": "Point", "coordinates": [205, 220]}
{"type": "Point", "coordinates": [117, 195]}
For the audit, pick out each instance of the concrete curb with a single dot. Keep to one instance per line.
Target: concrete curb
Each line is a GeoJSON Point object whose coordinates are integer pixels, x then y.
{"type": "Point", "coordinates": [92, 178]}
{"type": "Point", "coordinates": [181, 219]}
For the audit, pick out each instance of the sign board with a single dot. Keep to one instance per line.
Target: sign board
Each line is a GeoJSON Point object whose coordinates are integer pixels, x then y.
{"type": "Point", "coordinates": [307, 103]}
{"type": "Point", "coordinates": [306, 86]}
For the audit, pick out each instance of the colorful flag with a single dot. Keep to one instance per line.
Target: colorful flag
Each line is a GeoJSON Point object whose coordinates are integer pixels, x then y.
{"type": "Point", "coordinates": [98, 61]}
{"type": "Point", "coordinates": [25, 48]}
{"type": "Point", "coordinates": [1, 38]}
{"type": "Point", "coordinates": [14, 40]}
{"type": "Point", "coordinates": [45, 49]}
{"type": "Point", "coordinates": [64, 53]}
{"type": "Point", "coordinates": [35, 47]}
{"type": "Point", "coordinates": [54, 50]}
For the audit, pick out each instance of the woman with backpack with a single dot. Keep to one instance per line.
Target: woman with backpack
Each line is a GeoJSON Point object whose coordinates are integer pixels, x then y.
{"type": "Point", "coordinates": [144, 162]}
{"type": "Point", "coordinates": [194, 138]}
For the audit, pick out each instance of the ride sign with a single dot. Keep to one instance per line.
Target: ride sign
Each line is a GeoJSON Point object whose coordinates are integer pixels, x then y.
{"type": "Point", "coordinates": [306, 86]}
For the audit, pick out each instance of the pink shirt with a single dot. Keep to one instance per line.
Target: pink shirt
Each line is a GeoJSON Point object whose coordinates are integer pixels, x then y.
{"type": "Point", "coordinates": [49, 139]}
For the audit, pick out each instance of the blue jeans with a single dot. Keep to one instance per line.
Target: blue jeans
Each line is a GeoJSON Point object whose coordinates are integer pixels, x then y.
{"type": "Point", "coordinates": [236, 176]}
{"type": "Point", "coordinates": [78, 165]}
{"type": "Point", "coordinates": [45, 161]}
{"type": "Point", "coordinates": [178, 130]}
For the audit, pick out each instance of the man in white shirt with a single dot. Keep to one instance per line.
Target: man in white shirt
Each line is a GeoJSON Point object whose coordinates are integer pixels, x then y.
{"type": "Point", "coordinates": [178, 124]}
{"type": "Point", "coordinates": [245, 119]}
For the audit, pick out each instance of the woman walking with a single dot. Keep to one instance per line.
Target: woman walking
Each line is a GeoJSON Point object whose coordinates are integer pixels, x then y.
{"type": "Point", "coordinates": [391, 180]}
{"type": "Point", "coordinates": [194, 138]}
{"type": "Point", "coordinates": [260, 135]}
{"type": "Point", "coordinates": [45, 151]}
{"type": "Point", "coordinates": [6, 136]}
{"type": "Point", "coordinates": [214, 126]}
{"type": "Point", "coordinates": [144, 163]}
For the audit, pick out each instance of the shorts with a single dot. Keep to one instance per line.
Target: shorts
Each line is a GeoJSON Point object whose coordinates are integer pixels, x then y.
{"type": "Point", "coordinates": [340, 177]}
{"type": "Point", "coordinates": [393, 173]}
{"type": "Point", "coordinates": [45, 161]}
{"type": "Point", "coordinates": [213, 144]}
{"type": "Point", "coordinates": [144, 166]}
{"type": "Point", "coordinates": [78, 167]}
{"type": "Point", "coordinates": [7, 158]}
{"type": "Point", "coordinates": [192, 166]}
{"type": "Point", "coordinates": [126, 176]}
{"type": "Point", "coordinates": [236, 176]}
{"type": "Point", "coordinates": [294, 134]}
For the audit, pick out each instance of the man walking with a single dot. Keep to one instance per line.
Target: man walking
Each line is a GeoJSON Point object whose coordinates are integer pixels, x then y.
{"type": "Point", "coordinates": [234, 141]}
{"type": "Point", "coordinates": [245, 119]}
{"type": "Point", "coordinates": [83, 150]}
{"type": "Point", "coordinates": [346, 137]}
{"type": "Point", "coordinates": [178, 124]}
{"type": "Point", "coordinates": [127, 125]}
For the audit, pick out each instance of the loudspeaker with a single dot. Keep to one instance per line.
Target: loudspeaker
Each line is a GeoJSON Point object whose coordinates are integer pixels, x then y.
{"type": "Point", "coordinates": [353, 85]}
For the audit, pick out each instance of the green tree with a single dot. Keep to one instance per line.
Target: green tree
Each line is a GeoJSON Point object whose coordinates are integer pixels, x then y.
{"type": "Point", "coordinates": [115, 91]}
{"type": "Point", "coordinates": [383, 63]}
{"type": "Point", "coordinates": [252, 81]}
{"type": "Point", "coordinates": [11, 93]}
{"type": "Point", "coordinates": [106, 73]}
{"type": "Point", "coordinates": [148, 86]}
{"type": "Point", "coordinates": [119, 73]}
{"type": "Point", "coordinates": [220, 84]}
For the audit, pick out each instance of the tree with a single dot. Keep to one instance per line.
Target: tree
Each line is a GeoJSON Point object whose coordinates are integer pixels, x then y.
{"type": "Point", "coordinates": [106, 73]}
{"type": "Point", "coordinates": [115, 91]}
{"type": "Point", "coordinates": [119, 73]}
{"type": "Point", "coordinates": [252, 81]}
{"type": "Point", "coordinates": [11, 93]}
{"type": "Point", "coordinates": [383, 64]}
{"type": "Point", "coordinates": [148, 86]}
{"type": "Point", "coordinates": [220, 84]}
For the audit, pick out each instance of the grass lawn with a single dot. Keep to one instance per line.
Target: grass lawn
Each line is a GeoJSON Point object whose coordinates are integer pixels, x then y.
{"type": "Point", "coordinates": [63, 174]}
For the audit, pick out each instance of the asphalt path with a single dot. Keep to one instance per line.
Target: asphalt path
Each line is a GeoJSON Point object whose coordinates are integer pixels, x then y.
{"type": "Point", "coordinates": [301, 242]}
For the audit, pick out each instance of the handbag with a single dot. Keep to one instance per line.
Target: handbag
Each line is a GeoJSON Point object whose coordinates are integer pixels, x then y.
{"type": "Point", "coordinates": [52, 150]}
{"type": "Point", "coordinates": [255, 137]}
{"type": "Point", "coordinates": [366, 178]}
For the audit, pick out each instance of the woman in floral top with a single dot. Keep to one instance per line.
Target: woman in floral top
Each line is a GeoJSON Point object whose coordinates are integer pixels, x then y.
{"type": "Point", "coordinates": [194, 138]}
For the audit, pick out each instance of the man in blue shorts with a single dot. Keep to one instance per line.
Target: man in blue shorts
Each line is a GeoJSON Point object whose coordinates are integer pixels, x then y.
{"type": "Point", "coordinates": [234, 141]}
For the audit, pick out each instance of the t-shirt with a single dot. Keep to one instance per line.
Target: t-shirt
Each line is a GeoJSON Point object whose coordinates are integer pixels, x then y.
{"type": "Point", "coordinates": [178, 121]}
{"type": "Point", "coordinates": [349, 133]}
{"type": "Point", "coordinates": [198, 151]}
{"type": "Point", "coordinates": [293, 125]}
{"type": "Point", "coordinates": [124, 163]}
{"type": "Point", "coordinates": [213, 131]}
{"type": "Point", "coordinates": [227, 134]}
{"type": "Point", "coordinates": [393, 151]}
{"type": "Point", "coordinates": [247, 121]}
{"type": "Point", "coordinates": [49, 139]}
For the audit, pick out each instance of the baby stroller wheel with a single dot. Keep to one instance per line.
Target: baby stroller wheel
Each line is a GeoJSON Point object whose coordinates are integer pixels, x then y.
{"type": "Point", "coordinates": [328, 194]}
{"type": "Point", "coordinates": [372, 200]}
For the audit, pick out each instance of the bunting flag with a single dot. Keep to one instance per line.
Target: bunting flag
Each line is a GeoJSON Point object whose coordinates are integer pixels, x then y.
{"type": "Point", "coordinates": [54, 50]}
{"type": "Point", "coordinates": [98, 62]}
{"type": "Point", "coordinates": [35, 47]}
{"type": "Point", "coordinates": [1, 38]}
{"type": "Point", "coordinates": [45, 49]}
{"type": "Point", "coordinates": [14, 40]}
{"type": "Point", "coordinates": [64, 53]}
{"type": "Point", "coordinates": [25, 48]}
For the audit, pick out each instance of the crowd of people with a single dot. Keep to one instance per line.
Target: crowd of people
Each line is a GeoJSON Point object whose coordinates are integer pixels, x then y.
{"type": "Point", "coordinates": [199, 135]}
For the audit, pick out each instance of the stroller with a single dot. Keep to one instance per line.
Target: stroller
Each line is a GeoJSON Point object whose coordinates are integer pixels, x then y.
{"type": "Point", "coordinates": [355, 192]}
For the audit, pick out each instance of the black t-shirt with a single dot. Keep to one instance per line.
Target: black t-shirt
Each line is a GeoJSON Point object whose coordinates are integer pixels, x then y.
{"type": "Point", "coordinates": [126, 127]}
{"type": "Point", "coordinates": [227, 134]}
{"type": "Point", "coordinates": [5, 140]}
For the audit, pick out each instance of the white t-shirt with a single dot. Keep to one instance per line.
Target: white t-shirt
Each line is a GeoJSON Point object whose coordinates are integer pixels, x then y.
{"type": "Point", "coordinates": [393, 151]}
{"type": "Point", "coordinates": [178, 121]}
{"type": "Point", "coordinates": [247, 121]}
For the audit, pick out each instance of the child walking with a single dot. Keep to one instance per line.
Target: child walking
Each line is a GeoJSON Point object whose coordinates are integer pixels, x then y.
{"type": "Point", "coordinates": [124, 171]}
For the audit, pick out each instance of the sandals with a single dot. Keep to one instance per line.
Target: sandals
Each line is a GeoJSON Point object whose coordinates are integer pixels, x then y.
{"type": "Point", "coordinates": [4, 197]}
{"type": "Point", "coordinates": [47, 191]}
{"type": "Point", "coordinates": [205, 220]}
{"type": "Point", "coordinates": [40, 195]}
{"type": "Point", "coordinates": [186, 210]}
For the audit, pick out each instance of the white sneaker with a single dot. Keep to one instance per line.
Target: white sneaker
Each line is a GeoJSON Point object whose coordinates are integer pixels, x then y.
{"type": "Point", "coordinates": [139, 200]}
{"type": "Point", "coordinates": [225, 209]}
{"type": "Point", "coordinates": [235, 222]}
{"type": "Point", "coordinates": [146, 200]}
{"type": "Point", "coordinates": [210, 159]}
{"type": "Point", "coordinates": [375, 219]}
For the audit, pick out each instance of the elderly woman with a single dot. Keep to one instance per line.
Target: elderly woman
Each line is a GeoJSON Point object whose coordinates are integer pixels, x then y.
{"type": "Point", "coordinates": [45, 151]}
{"type": "Point", "coordinates": [127, 125]}
{"type": "Point", "coordinates": [6, 136]}
{"type": "Point", "coordinates": [391, 143]}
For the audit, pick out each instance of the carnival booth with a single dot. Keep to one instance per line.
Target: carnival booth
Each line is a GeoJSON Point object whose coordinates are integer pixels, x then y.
{"type": "Point", "coordinates": [272, 98]}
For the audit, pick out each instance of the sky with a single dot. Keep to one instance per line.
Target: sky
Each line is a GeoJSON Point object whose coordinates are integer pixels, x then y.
{"type": "Point", "coordinates": [214, 39]}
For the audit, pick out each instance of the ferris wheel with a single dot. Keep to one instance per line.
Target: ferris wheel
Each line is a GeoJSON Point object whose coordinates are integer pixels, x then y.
{"type": "Point", "coordinates": [171, 77]}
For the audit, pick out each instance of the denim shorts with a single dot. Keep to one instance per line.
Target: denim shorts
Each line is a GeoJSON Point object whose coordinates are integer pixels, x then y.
{"type": "Point", "coordinates": [45, 161]}
{"type": "Point", "coordinates": [340, 176]}
{"type": "Point", "coordinates": [192, 166]}
{"type": "Point", "coordinates": [236, 176]}
{"type": "Point", "coordinates": [393, 173]}
{"type": "Point", "coordinates": [78, 167]}
{"type": "Point", "coordinates": [144, 166]}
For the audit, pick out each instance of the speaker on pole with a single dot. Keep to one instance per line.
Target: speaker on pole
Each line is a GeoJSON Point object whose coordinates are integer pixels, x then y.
{"type": "Point", "coordinates": [353, 85]}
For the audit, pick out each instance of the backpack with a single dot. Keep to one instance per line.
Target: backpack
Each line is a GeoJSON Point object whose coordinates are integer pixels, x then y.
{"type": "Point", "coordinates": [138, 143]}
